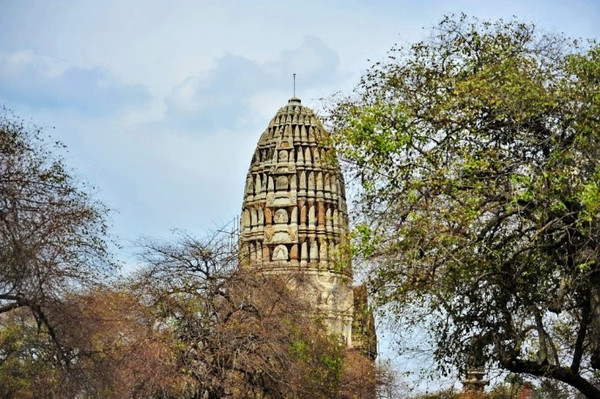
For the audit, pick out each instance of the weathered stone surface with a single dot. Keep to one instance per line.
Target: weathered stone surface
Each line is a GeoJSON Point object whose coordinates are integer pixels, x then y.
{"type": "Point", "coordinates": [294, 215]}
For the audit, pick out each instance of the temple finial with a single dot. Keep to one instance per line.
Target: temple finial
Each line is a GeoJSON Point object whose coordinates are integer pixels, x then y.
{"type": "Point", "coordinates": [294, 85]}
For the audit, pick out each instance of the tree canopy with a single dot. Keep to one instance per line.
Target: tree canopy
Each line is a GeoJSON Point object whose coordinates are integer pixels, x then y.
{"type": "Point", "coordinates": [234, 332]}
{"type": "Point", "coordinates": [53, 238]}
{"type": "Point", "coordinates": [476, 151]}
{"type": "Point", "coordinates": [189, 323]}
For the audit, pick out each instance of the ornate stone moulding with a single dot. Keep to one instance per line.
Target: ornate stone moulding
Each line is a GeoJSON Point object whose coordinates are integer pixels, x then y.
{"type": "Point", "coordinates": [294, 207]}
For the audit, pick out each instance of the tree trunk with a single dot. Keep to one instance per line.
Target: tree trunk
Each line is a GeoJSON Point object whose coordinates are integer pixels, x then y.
{"type": "Point", "coordinates": [594, 329]}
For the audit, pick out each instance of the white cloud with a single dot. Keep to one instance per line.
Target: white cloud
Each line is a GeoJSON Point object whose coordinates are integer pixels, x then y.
{"type": "Point", "coordinates": [220, 97]}
{"type": "Point", "coordinates": [313, 61]}
{"type": "Point", "coordinates": [44, 82]}
{"type": "Point", "coordinates": [18, 62]}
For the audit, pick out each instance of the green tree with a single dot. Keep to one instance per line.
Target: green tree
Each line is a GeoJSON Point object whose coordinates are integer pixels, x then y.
{"type": "Point", "coordinates": [477, 154]}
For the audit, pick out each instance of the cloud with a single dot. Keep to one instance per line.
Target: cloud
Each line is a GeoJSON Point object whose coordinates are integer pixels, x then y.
{"type": "Point", "coordinates": [177, 164]}
{"type": "Point", "coordinates": [216, 100]}
{"type": "Point", "coordinates": [223, 97]}
{"type": "Point", "coordinates": [313, 61]}
{"type": "Point", "coordinates": [43, 82]}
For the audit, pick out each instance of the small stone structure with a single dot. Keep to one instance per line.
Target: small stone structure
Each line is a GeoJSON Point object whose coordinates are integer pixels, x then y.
{"type": "Point", "coordinates": [474, 382]}
{"type": "Point", "coordinates": [294, 218]}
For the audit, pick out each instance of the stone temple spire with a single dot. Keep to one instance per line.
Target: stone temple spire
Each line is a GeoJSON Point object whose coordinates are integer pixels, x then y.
{"type": "Point", "coordinates": [294, 215]}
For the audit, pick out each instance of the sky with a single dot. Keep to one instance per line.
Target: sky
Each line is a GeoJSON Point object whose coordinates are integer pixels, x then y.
{"type": "Point", "coordinates": [161, 103]}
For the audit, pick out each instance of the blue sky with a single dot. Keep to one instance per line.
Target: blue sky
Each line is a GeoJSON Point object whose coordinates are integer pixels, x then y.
{"type": "Point", "coordinates": [161, 103]}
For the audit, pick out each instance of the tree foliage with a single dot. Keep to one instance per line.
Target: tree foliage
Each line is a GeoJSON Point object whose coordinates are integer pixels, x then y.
{"type": "Point", "coordinates": [190, 323]}
{"type": "Point", "coordinates": [52, 244]}
{"type": "Point", "coordinates": [477, 154]}
{"type": "Point", "coordinates": [235, 332]}
{"type": "Point", "coordinates": [115, 351]}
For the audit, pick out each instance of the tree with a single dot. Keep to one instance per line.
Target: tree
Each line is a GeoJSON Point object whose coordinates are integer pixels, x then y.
{"type": "Point", "coordinates": [52, 233]}
{"type": "Point", "coordinates": [234, 331]}
{"type": "Point", "coordinates": [477, 152]}
{"type": "Point", "coordinates": [188, 324]}
{"type": "Point", "coordinates": [117, 352]}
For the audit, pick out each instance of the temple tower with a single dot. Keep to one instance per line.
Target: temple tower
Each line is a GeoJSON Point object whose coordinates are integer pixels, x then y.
{"type": "Point", "coordinates": [294, 216]}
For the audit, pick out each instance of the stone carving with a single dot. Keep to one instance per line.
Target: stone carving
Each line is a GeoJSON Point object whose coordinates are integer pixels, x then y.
{"type": "Point", "coordinates": [314, 251]}
{"type": "Point", "coordinates": [323, 253]}
{"type": "Point", "coordinates": [270, 198]}
{"type": "Point", "coordinates": [303, 215]}
{"type": "Point", "coordinates": [257, 185]}
{"type": "Point", "coordinates": [261, 217]}
{"type": "Point", "coordinates": [282, 237]}
{"type": "Point", "coordinates": [258, 255]}
{"type": "Point", "coordinates": [312, 219]}
{"type": "Point", "coordinates": [303, 134]}
{"type": "Point", "coordinates": [282, 183]}
{"type": "Point", "coordinates": [268, 234]}
{"type": "Point", "coordinates": [302, 180]}
{"type": "Point", "coordinates": [335, 219]}
{"type": "Point", "coordinates": [294, 217]}
{"type": "Point", "coordinates": [281, 216]}
{"type": "Point", "coordinates": [280, 253]}
{"type": "Point", "coordinates": [332, 253]}
{"type": "Point", "coordinates": [304, 251]}
{"type": "Point", "coordinates": [283, 156]}
{"type": "Point", "coordinates": [246, 220]}
{"type": "Point", "coordinates": [292, 234]}
{"type": "Point", "coordinates": [253, 218]}
{"type": "Point", "coordinates": [321, 215]}
{"type": "Point", "coordinates": [270, 186]}
{"type": "Point", "coordinates": [294, 252]}
{"type": "Point", "coordinates": [294, 213]}
{"type": "Point", "coordinates": [311, 181]}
